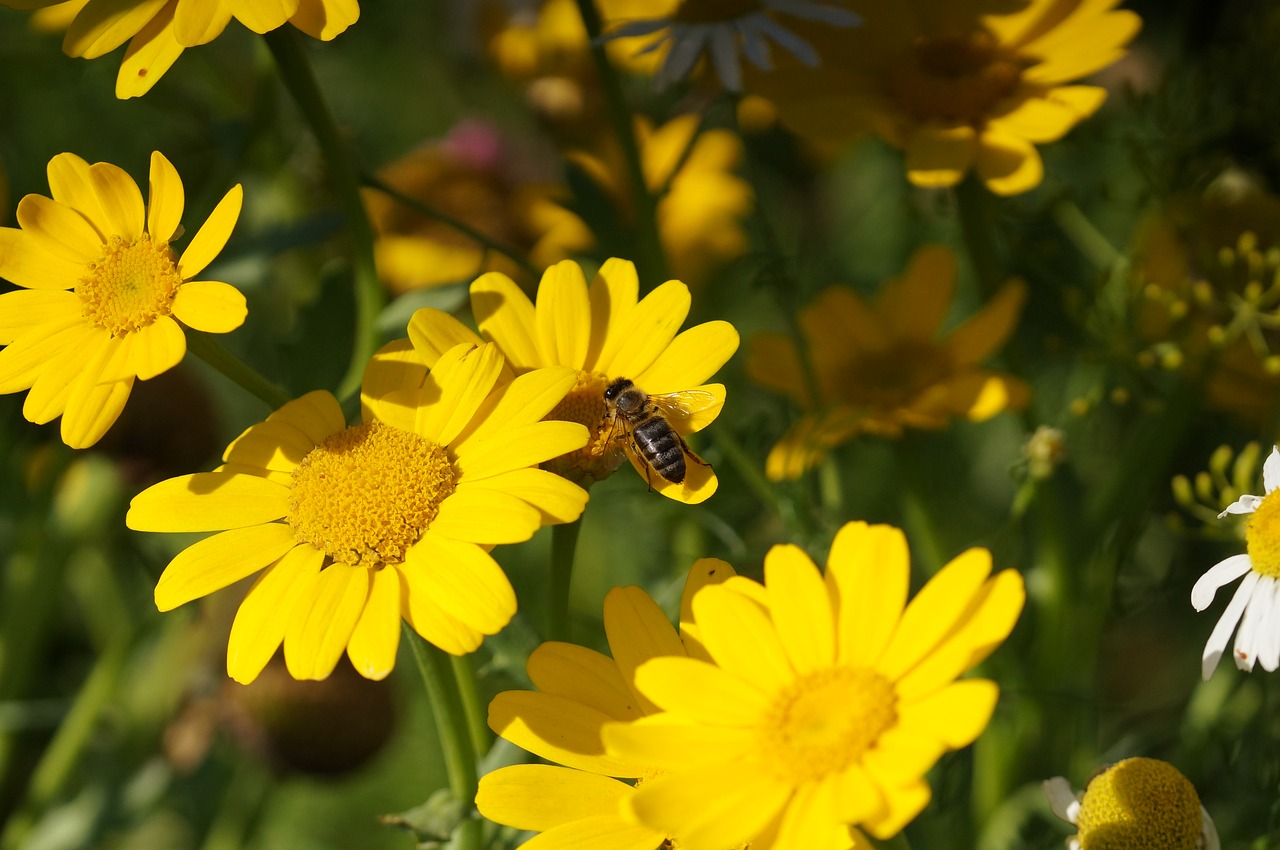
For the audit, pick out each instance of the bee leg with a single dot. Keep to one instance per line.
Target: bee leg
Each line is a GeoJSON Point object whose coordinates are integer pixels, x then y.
{"type": "Point", "coordinates": [688, 452]}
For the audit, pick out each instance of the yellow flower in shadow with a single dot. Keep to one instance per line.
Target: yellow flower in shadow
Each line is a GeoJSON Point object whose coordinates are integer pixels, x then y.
{"type": "Point", "coordinates": [957, 85]}
{"type": "Point", "coordinates": [881, 367]}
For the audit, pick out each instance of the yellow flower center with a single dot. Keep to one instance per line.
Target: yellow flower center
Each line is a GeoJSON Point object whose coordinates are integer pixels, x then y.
{"type": "Point", "coordinates": [366, 494]}
{"type": "Point", "coordinates": [1139, 804]}
{"type": "Point", "coordinates": [1262, 536]}
{"type": "Point", "coordinates": [132, 285]}
{"type": "Point", "coordinates": [954, 78]}
{"type": "Point", "coordinates": [825, 721]}
{"type": "Point", "coordinates": [603, 453]}
{"type": "Point", "coordinates": [714, 11]}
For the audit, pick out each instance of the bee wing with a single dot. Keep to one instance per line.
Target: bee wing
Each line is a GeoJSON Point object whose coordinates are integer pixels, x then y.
{"type": "Point", "coordinates": [692, 410]}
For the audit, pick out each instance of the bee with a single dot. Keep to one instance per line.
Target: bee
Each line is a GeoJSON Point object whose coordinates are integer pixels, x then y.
{"type": "Point", "coordinates": [646, 422]}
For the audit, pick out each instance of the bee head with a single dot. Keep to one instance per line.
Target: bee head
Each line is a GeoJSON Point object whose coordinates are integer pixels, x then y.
{"type": "Point", "coordinates": [617, 388]}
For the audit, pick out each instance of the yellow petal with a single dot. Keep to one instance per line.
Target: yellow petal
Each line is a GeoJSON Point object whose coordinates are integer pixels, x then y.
{"type": "Point", "coordinates": [613, 292]}
{"type": "Point", "coordinates": [102, 27]}
{"type": "Point", "coordinates": [800, 607]}
{"type": "Point", "coordinates": [1007, 164]}
{"type": "Point", "coordinates": [741, 639]}
{"type": "Point", "coordinates": [463, 579]}
{"type": "Point", "coordinates": [915, 305]}
{"type": "Point", "coordinates": [210, 306]}
{"type": "Point", "coordinates": [868, 573]}
{"type": "Point", "coordinates": [376, 637]}
{"type": "Point", "coordinates": [661, 744]}
{"type": "Point", "coordinates": [955, 716]}
{"type": "Point", "coordinates": [704, 573]}
{"type": "Point", "coordinates": [940, 156]}
{"type": "Point", "coordinates": [696, 691]}
{"type": "Point", "coordinates": [934, 611]}
{"type": "Point", "coordinates": [563, 314]}
{"type": "Point", "coordinates": [429, 620]}
{"type": "Point", "coordinates": [322, 620]}
{"type": "Point", "coordinates": [774, 363]}
{"type": "Point", "coordinates": [150, 54]}
{"type": "Point", "coordinates": [984, 332]}
{"type": "Point", "coordinates": [523, 401]}
{"type": "Point", "coordinates": [24, 359]}
{"type": "Point", "coordinates": [463, 389]}
{"type": "Point", "coordinates": [69, 184]}
{"type": "Point", "coordinates": [316, 414]}
{"type": "Point", "coordinates": [556, 499]}
{"type": "Point", "coordinates": [809, 820]}
{"type": "Point", "coordinates": [213, 234]}
{"type": "Point", "coordinates": [995, 612]}
{"type": "Point", "coordinates": [645, 331]}
{"type": "Point", "coordinates": [263, 616]}
{"type": "Point", "coordinates": [199, 23]}
{"type": "Point", "coordinates": [59, 230]}
{"type": "Point", "coordinates": [693, 356]}
{"type": "Point", "coordinates": [900, 757]}
{"type": "Point", "coordinates": [325, 19]}
{"type": "Point", "coordinates": [487, 516]}
{"type": "Point", "coordinates": [518, 447]}
{"type": "Point", "coordinates": [557, 729]}
{"type": "Point", "coordinates": [166, 200]}
{"type": "Point", "coordinates": [92, 408]}
{"type": "Point", "coordinates": [540, 797]}
{"type": "Point", "coordinates": [27, 309]}
{"type": "Point", "coordinates": [1048, 118]}
{"type": "Point", "coordinates": [506, 316]}
{"type": "Point", "coordinates": [54, 378]}
{"type": "Point", "coordinates": [25, 263]}
{"type": "Point", "coordinates": [120, 198]}
{"type": "Point", "coordinates": [220, 560]}
{"type": "Point", "coordinates": [207, 501]}
{"type": "Point", "coordinates": [262, 16]}
{"type": "Point", "coordinates": [271, 445]}
{"type": "Point", "coordinates": [857, 798]}
{"type": "Point", "coordinates": [584, 676]}
{"type": "Point", "coordinates": [699, 483]}
{"type": "Point", "coordinates": [904, 804]}
{"type": "Point", "coordinates": [433, 332]}
{"type": "Point", "coordinates": [743, 805]}
{"type": "Point", "coordinates": [637, 631]}
{"type": "Point", "coordinates": [153, 350]}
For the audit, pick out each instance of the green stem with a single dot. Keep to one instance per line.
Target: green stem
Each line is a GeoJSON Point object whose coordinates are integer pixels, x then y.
{"type": "Point", "coordinates": [652, 261]}
{"type": "Point", "coordinates": [976, 208]}
{"type": "Point", "coordinates": [423, 208]}
{"type": "Point", "coordinates": [464, 676]}
{"type": "Point", "coordinates": [451, 728]}
{"type": "Point", "coordinates": [564, 545]}
{"type": "Point", "coordinates": [747, 467]}
{"type": "Point", "coordinates": [299, 78]}
{"type": "Point", "coordinates": [1082, 233]}
{"type": "Point", "coordinates": [59, 761]}
{"type": "Point", "coordinates": [219, 357]}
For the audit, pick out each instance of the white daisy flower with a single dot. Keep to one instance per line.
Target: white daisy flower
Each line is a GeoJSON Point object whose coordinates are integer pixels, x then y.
{"type": "Point", "coordinates": [724, 28]}
{"type": "Point", "coordinates": [1135, 803]}
{"type": "Point", "coordinates": [1258, 596]}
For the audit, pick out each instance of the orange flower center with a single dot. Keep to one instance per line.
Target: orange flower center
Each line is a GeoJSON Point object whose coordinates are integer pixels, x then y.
{"type": "Point", "coordinates": [825, 721]}
{"type": "Point", "coordinates": [1262, 536]}
{"type": "Point", "coordinates": [1140, 804]}
{"type": "Point", "coordinates": [603, 452]}
{"type": "Point", "coordinates": [715, 11]}
{"type": "Point", "coordinates": [890, 379]}
{"type": "Point", "coordinates": [132, 285]}
{"type": "Point", "coordinates": [366, 494]}
{"type": "Point", "coordinates": [954, 79]}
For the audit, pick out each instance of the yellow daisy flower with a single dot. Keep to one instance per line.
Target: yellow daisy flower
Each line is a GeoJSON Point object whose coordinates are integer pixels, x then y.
{"type": "Point", "coordinates": [955, 87]}
{"type": "Point", "coordinates": [575, 801]}
{"type": "Point", "coordinates": [605, 333]}
{"type": "Point", "coordinates": [825, 700]}
{"type": "Point", "coordinates": [1135, 803]}
{"type": "Point", "coordinates": [356, 527]}
{"type": "Point", "coordinates": [101, 290]}
{"type": "Point", "coordinates": [880, 367]}
{"type": "Point", "coordinates": [159, 30]}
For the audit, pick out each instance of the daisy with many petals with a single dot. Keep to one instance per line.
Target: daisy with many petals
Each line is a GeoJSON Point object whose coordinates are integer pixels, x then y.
{"type": "Point", "coordinates": [159, 30]}
{"type": "Point", "coordinates": [1135, 803]}
{"type": "Point", "coordinates": [102, 291]}
{"type": "Point", "coordinates": [1257, 599]}
{"type": "Point", "coordinates": [604, 332]}
{"type": "Point", "coordinates": [957, 85]}
{"type": "Point", "coordinates": [353, 528]}
{"type": "Point", "coordinates": [576, 800]}
{"type": "Point", "coordinates": [823, 700]}
{"type": "Point", "coordinates": [879, 368]}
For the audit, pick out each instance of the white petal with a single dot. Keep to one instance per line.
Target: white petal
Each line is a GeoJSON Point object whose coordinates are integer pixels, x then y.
{"type": "Point", "coordinates": [645, 26]}
{"type": "Point", "coordinates": [724, 53]}
{"type": "Point", "coordinates": [756, 49]}
{"type": "Point", "coordinates": [1268, 640]}
{"type": "Point", "coordinates": [686, 47]}
{"type": "Point", "coordinates": [1271, 470]}
{"type": "Point", "coordinates": [1062, 799]}
{"type": "Point", "coordinates": [1246, 504]}
{"type": "Point", "coordinates": [1257, 614]}
{"type": "Point", "coordinates": [1221, 573]}
{"type": "Point", "coordinates": [1209, 831]}
{"type": "Point", "coordinates": [1217, 642]}
{"type": "Point", "coordinates": [790, 42]}
{"type": "Point", "coordinates": [829, 15]}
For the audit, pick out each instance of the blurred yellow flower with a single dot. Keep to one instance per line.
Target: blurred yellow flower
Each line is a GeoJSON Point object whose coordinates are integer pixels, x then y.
{"type": "Point", "coordinates": [821, 701]}
{"type": "Point", "coordinates": [159, 30]}
{"type": "Point", "coordinates": [356, 527]}
{"type": "Point", "coordinates": [576, 800]}
{"type": "Point", "coordinates": [604, 332]}
{"type": "Point", "coordinates": [701, 201]}
{"type": "Point", "coordinates": [103, 292]}
{"type": "Point", "coordinates": [957, 85]}
{"type": "Point", "coordinates": [880, 368]}
{"type": "Point", "coordinates": [466, 176]}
